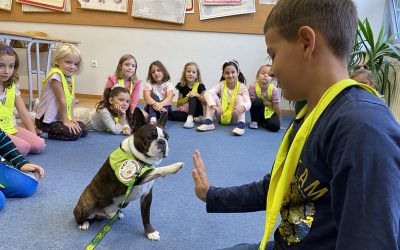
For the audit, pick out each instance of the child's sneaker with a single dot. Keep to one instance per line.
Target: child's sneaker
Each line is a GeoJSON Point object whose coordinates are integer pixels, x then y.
{"type": "Point", "coordinates": [238, 131]}
{"type": "Point", "coordinates": [188, 124]}
{"type": "Point", "coordinates": [43, 135]}
{"type": "Point", "coordinates": [153, 121]}
{"type": "Point", "coordinates": [253, 125]}
{"type": "Point", "coordinates": [199, 119]}
{"type": "Point", "coordinates": [206, 127]}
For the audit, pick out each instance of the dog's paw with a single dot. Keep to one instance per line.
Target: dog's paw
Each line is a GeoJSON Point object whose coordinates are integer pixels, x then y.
{"type": "Point", "coordinates": [153, 236]}
{"type": "Point", "coordinates": [120, 215]}
{"type": "Point", "coordinates": [84, 225]}
{"type": "Point", "coordinates": [174, 168]}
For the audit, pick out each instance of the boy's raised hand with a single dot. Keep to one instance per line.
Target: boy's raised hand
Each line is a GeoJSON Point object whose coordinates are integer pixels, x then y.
{"type": "Point", "coordinates": [201, 185]}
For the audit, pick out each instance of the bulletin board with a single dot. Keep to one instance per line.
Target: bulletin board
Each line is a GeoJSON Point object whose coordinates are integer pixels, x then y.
{"type": "Point", "coordinates": [247, 23]}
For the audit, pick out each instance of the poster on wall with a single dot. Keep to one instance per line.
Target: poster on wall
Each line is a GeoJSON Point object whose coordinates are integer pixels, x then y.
{"type": "Point", "coordinates": [166, 11]}
{"type": "Point", "coordinates": [190, 6]}
{"type": "Point", "coordinates": [31, 8]}
{"type": "Point", "coordinates": [58, 5]}
{"type": "Point", "coordinates": [5, 4]}
{"type": "Point", "coordinates": [105, 5]}
{"type": "Point", "coordinates": [221, 2]}
{"type": "Point", "coordinates": [268, 1]}
{"type": "Point", "coordinates": [216, 11]}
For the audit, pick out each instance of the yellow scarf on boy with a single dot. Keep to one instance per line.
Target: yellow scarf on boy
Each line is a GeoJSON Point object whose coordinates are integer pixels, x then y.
{"type": "Point", "coordinates": [288, 157]}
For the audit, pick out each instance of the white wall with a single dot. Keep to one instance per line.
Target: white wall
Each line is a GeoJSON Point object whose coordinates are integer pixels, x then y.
{"type": "Point", "coordinates": [373, 10]}
{"type": "Point", "coordinates": [173, 48]}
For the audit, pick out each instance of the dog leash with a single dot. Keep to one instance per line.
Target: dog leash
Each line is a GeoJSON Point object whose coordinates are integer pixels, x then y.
{"type": "Point", "coordinates": [107, 227]}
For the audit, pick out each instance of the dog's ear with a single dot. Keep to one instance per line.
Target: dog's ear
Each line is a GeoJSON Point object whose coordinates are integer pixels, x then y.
{"type": "Point", "coordinates": [137, 120]}
{"type": "Point", "coordinates": [163, 119]}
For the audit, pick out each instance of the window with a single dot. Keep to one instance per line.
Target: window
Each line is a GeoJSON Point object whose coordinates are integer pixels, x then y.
{"type": "Point", "coordinates": [392, 14]}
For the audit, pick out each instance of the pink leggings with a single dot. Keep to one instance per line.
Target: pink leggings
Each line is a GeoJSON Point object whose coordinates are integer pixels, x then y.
{"type": "Point", "coordinates": [235, 118]}
{"type": "Point", "coordinates": [27, 142]}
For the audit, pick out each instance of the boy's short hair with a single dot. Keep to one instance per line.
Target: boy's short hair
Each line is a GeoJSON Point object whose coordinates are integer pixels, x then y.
{"type": "Point", "coordinates": [336, 20]}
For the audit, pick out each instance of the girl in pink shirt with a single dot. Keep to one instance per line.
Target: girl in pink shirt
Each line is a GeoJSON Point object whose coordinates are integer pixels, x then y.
{"type": "Point", "coordinates": [125, 76]}
{"type": "Point", "coordinates": [265, 110]}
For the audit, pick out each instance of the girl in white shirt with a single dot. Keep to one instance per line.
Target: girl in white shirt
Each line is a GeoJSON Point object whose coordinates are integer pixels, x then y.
{"type": "Point", "coordinates": [113, 112]}
{"type": "Point", "coordinates": [54, 115]}
{"type": "Point", "coordinates": [228, 100]}
{"type": "Point", "coordinates": [158, 91]}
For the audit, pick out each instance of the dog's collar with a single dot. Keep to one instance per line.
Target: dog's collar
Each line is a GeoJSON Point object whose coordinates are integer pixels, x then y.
{"type": "Point", "coordinates": [133, 150]}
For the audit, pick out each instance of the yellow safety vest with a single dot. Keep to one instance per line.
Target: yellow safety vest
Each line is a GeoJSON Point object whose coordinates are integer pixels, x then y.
{"type": "Point", "coordinates": [69, 96]}
{"type": "Point", "coordinates": [186, 98]}
{"type": "Point", "coordinates": [287, 157]}
{"type": "Point", "coordinates": [7, 111]}
{"type": "Point", "coordinates": [121, 83]}
{"type": "Point", "coordinates": [268, 112]}
{"type": "Point", "coordinates": [226, 115]}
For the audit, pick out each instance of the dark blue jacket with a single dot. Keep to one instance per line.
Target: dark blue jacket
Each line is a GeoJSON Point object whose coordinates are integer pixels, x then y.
{"type": "Point", "coordinates": [345, 193]}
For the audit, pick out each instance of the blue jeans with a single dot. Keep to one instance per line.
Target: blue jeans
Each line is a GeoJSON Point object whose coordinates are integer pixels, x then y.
{"type": "Point", "coordinates": [15, 184]}
{"type": "Point", "coordinates": [152, 112]}
{"type": "Point", "coordinates": [246, 246]}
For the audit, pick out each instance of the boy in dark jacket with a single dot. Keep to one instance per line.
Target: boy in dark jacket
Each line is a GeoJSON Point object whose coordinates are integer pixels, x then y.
{"type": "Point", "coordinates": [335, 180]}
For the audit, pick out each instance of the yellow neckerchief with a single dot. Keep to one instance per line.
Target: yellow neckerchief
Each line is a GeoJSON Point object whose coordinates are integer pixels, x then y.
{"type": "Point", "coordinates": [268, 112]}
{"type": "Point", "coordinates": [186, 98]}
{"type": "Point", "coordinates": [121, 82]}
{"type": "Point", "coordinates": [288, 157]}
{"type": "Point", "coordinates": [226, 115]}
{"type": "Point", "coordinates": [7, 111]}
{"type": "Point", "coordinates": [116, 120]}
{"type": "Point", "coordinates": [69, 95]}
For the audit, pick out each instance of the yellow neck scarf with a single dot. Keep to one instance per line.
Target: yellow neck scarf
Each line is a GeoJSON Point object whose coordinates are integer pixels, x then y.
{"type": "Point", "coordinates": [121, 83]}
{"type": "Point", "coordinates": [226, 115]}
{"type": "Point", "coordinates": [288, 157]}
{"type": "Point", "coordinates": [186, 98]}
{"type": "Point", "coordinates": [268, 112]}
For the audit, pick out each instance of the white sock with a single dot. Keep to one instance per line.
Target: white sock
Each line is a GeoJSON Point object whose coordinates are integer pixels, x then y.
{"type": "Point", "coordinates": [189, 118]}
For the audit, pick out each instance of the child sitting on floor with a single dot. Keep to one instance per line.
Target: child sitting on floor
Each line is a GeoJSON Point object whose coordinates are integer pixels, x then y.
{"type": "Point", "coordinates": [191, 99]}
{"type": "Point", "coordinates": [228, 100]}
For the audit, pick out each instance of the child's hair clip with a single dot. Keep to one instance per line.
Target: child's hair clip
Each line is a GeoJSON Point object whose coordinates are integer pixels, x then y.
{"type": "Point", "coordinates": [233, 61]}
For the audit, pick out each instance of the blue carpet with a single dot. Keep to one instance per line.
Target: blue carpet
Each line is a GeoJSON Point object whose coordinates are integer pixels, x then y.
{"type": "Point", "coordinates": [45, 220]}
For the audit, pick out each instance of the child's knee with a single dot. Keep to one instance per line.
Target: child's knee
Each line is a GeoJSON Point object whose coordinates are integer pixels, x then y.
{"type": "Point", "coordinates": [74, 137]}
{"type": "Point", "coordinates": [38, 146]}
{"type": "Point", "coordinates": [28, 189]}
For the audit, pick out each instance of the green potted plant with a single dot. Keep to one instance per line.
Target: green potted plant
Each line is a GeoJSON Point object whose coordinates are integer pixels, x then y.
{"type": "Point", "coordinates": [377, 55]}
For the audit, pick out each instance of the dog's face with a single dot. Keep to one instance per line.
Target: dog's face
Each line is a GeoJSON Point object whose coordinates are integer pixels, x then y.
{"type": "Point", "coordinates": [148, 143]}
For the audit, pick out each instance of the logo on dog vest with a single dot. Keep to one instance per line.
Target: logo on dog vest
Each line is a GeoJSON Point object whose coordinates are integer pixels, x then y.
{"type": "Point", "coordinates": [129, 169]}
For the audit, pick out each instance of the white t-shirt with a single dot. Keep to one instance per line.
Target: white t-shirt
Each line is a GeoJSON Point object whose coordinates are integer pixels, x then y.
{"type": "Point", "coordinates": [48, 103]}
{"type": "Point", "coordinates": [160, 90]}
{"type": "Point", "coordinates": [103, 121]}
